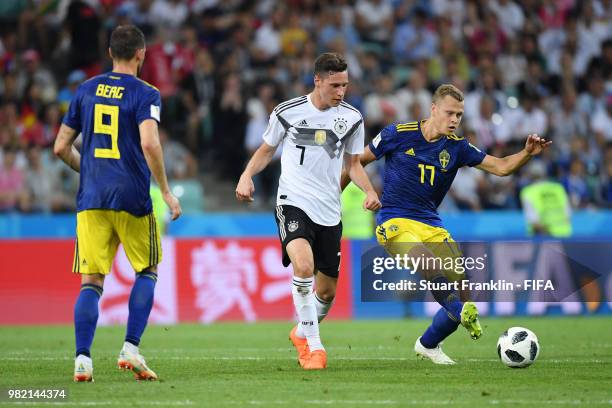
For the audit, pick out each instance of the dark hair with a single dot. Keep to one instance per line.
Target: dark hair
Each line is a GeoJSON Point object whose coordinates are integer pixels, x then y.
{"type": "Point", "coordinates": [125, 41]}
{"type": "Point", "coordinates": [329, 62]}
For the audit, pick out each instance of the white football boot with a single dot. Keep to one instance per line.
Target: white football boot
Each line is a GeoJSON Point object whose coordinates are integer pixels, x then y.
{"type": "Point", "coordinates": [436, 355]}
{"type": "Point", "coordinates": [131, 359]}
{"type": "Point", "coordinates": [83, 369]}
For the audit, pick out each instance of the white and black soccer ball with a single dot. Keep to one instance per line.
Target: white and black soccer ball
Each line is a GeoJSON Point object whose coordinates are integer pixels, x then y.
{"type": "Point", "coordinates": [518, 347]}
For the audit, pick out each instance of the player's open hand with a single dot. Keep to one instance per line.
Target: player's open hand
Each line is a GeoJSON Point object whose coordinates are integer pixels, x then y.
{"type": "Point", "coordinates": [173, 203]}
{"type": "Point", "coordinates": [245, 189]}
{"type": "Point", "coordinates": [536, 144]}
{"type": "Point", "coordinates": [371, 201]}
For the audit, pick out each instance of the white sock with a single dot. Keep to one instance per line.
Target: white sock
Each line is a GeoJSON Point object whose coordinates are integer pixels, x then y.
{"type": "Point", "coordinates": [130, 347]}
{"type": "Point", "coordinates": [304, 302]}
{"type": "Point", "coordinates": [322, 311]}
{"type": "Point", "coordinates": [300, 331]}
{"type": "Point", "coordinates": [322, 307]}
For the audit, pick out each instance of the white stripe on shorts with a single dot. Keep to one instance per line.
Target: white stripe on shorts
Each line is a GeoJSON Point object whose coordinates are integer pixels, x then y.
{"type": "Point", "coordinates": [281, 222]}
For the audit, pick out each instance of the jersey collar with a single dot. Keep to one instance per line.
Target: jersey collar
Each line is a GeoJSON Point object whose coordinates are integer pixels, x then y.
{"type": "Point", "coordinates": [420, 122]}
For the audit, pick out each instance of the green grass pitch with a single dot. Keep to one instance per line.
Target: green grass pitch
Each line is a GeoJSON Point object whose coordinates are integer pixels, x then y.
{"type": "Point", "coordinates": [371, 364]}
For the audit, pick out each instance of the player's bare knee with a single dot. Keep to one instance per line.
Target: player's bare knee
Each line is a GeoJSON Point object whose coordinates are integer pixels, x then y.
{"type": "Point", "coordinates": [327, 294]}
{"type": "Point", "coordinates": [303, 268]}
{"type": "Point", "coordinates": [93, 279]}
{"type": "Point", "coordinates": [326, 286]}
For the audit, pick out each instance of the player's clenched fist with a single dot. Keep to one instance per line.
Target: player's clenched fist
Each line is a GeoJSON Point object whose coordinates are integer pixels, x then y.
{"type": "Point", "coordinates": [245, 189]}
{"type": "Point", "coordinates": [371, 201]}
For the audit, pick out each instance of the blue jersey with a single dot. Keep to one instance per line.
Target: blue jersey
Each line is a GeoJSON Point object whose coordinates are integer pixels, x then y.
{"type": "Point", "coordinates": [418, 173]}
{"type": "Point", "coordinates": [107, 110]}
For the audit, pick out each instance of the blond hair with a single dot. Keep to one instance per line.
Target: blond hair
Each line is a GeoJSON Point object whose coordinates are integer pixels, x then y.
{"type": "Point", "coordinates": [447, 89]}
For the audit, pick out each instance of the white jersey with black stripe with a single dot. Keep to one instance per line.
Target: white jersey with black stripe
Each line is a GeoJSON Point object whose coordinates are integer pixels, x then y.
{"type": "Point", "coordinates": [314, 143]}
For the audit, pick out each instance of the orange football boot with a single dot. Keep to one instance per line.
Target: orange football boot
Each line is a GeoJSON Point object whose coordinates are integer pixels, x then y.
{"type": "Point", "coordinates": [301, 346]}
{"type": "Point", "coordinates": [317, 360]}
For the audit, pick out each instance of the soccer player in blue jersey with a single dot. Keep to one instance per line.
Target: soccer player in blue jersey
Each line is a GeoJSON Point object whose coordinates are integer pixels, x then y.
{"type": "Point", "coordinates": [421, 161]}
{"type": "Point", "coordinates": [117, 115]}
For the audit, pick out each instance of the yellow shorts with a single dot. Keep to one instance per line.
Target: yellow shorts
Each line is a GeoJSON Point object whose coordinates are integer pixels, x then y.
{"type": "Point", "coordinates": [99, 233]}
{"type": "Point", "coordinates": [400, 236]}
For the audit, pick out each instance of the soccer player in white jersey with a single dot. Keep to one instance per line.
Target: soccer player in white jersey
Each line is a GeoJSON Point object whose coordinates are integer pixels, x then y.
{"type": "Point", "coordinates": [318, 132]}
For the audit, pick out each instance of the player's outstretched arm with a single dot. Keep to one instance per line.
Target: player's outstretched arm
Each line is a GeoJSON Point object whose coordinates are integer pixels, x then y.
{"type": "Point", "coordinates": [357, 174]}
{"type": "Point", "coordinates": [261, 158]}
{"type": "Point", "coordinates": [505, 166]}
{"type": "Point", "coordinates": [365, 158]}
{"type": "Point", "coordinates": [64, 149]}
{"type": "Point", "coordinates": [152, 149]}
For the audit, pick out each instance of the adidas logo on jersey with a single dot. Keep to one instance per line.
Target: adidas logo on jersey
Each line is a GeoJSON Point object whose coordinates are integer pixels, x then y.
{"type": "Point", "coordinates": [410, 152]}
{"type": "Point", "coordinates": [303, 123]}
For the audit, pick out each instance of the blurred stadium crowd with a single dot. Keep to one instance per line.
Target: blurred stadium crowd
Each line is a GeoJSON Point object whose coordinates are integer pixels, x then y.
{"type": "Point", "coordinates": [526, 66]}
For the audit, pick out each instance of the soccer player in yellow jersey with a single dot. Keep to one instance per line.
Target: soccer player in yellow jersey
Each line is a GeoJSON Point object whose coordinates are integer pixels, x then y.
{"type": "Point", "coordinates": [421, 161]}
{"type": "Point", "coordinates": [118, 115]}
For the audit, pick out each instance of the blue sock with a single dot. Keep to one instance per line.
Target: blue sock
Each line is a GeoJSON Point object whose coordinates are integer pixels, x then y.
{"type": "Point", "coordinates": [441, 327]}
{"type": "Point", "coordinates": [141, 303]}
{"type": "Point", "coordinates": [448, 299]}
{"type": "Point", "coordinates": [86, 317]}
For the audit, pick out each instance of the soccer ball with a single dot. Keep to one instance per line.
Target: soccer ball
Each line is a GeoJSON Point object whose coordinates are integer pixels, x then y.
{"type": "Point", "coordinates": [518, 347]}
